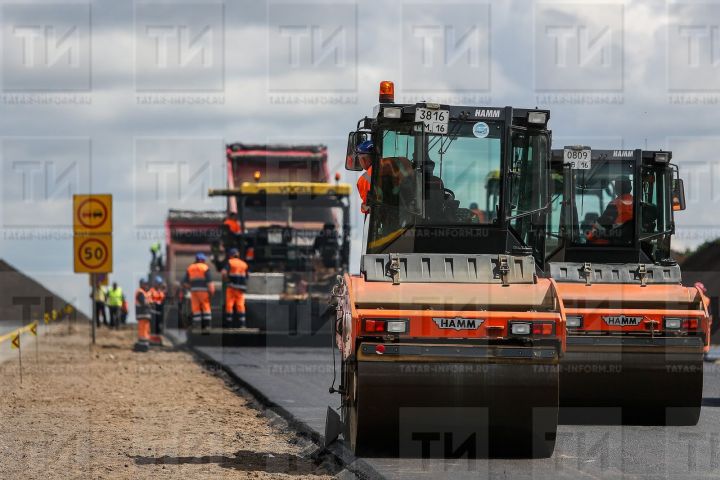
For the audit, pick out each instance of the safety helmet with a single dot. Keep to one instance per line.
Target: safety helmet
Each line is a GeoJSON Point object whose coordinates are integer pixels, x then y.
{"type": "Point", "coordinates": [366, 147]}
{"type": "Point", "coordinates": [200, 257]}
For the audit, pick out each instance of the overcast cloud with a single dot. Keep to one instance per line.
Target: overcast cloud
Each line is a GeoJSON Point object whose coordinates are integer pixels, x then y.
{"type": "Point", "coordinates": [143, 96]}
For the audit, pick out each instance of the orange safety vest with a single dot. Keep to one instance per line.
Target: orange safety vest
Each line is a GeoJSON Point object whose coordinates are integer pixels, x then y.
{"type": "Point", "coordinates": [237, 274]}
{"type": "Point", "coordinates": [624, 206]}
{"type": "Point", "coordinates": [142, 303]}
{"type": "Point", "coordinates": [363, 186]}
{"type": "Point", "coordinates": [157, 295]}
{"type": "Point", "coordinates": [479, 214]}
{"type": "Point", "coordinates": [198, 276]}
{"type": "Point", "coordinates": [232, 225]}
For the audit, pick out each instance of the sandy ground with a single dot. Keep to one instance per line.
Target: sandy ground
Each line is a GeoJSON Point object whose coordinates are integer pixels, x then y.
{"type": "Point", "coordinates": [108, 412]}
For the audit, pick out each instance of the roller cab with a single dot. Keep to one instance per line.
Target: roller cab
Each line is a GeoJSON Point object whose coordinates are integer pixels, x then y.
{"type": "Point", "coordinates": [449, 336]}
{"type": "Point", "coordinates": [635, 335]}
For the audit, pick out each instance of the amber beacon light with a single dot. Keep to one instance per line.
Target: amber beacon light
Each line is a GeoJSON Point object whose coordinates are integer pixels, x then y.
{"type": "Point", "coordinates": [387, 92]}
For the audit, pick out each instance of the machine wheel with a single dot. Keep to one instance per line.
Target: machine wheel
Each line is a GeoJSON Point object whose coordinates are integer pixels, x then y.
{"type": "Point", "coordinates": [350, 410]}
{"type": "Point", "coordinates": [359, 427]}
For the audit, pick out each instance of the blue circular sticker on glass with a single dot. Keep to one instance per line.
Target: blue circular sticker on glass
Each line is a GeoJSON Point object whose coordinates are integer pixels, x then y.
{"type": "Point", "coordinates": [481, 130]}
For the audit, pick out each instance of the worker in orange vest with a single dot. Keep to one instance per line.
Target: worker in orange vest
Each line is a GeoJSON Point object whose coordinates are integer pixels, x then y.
{"type": "Point", "coordinates": [157, 295]}
{"type": "Point", "coordinates": [618, 212]}
{"type": "Point", "coordinates": [235, 275]}
{"type": "Point", "coordinates": [232, 224]}
{"type": "Point", "coordinates": [197, 280]}
{"type": "Point", "coordinates": [142, 315]}
{"type": "Point", "coordinates": [477, 213]}
{"type": "Point", "coordinates": [365, 152]}
{"type": "Point", "coordinates": [233, 230]}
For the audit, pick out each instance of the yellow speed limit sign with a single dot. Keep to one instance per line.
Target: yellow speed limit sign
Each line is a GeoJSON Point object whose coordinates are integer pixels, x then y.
{"type": "Point", "coordinates": [93, 253]}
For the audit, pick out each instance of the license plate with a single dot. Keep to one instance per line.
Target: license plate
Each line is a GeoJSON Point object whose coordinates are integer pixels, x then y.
{"type": "Point", "coordinates": [435, 121]}
{"type": "Point", "coordinates": [578, 159]}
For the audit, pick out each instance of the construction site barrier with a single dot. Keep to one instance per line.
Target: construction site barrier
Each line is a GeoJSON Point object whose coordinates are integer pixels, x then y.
{"type": "Point", "coordinates": [14, 335]}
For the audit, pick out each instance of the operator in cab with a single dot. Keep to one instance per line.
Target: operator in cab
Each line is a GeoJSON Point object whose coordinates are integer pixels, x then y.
{"type": "Point", "coordinates": [618, 212]}
{"type": "Point", "coordinates": [438, 200]}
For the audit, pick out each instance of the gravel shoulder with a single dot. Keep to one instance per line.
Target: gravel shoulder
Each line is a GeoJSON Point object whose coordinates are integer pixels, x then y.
{"type": "Point", "coordinates": [108, 412]}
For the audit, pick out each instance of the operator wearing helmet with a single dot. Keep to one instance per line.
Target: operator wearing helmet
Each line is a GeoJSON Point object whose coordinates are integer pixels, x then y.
{"type": "Point", "coordinates": [618, 212]}
{"type": "Point", "coordinates": [365, 153]}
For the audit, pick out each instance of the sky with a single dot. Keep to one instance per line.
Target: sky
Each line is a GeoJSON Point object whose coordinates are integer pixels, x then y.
{"type": "Point", "coordinates": [138, 99]}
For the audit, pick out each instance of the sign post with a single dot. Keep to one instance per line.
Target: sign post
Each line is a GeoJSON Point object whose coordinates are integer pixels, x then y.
{"type": "Point", "coordinates": [92, 243]}
{"type": "Point", "coordinates": [95, 319]}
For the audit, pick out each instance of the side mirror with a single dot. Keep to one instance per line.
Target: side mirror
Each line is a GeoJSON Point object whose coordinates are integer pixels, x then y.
{"type": "Point", "coordinates": [678, 195]}
{"type": "Point", "coordinates": [351, 159]}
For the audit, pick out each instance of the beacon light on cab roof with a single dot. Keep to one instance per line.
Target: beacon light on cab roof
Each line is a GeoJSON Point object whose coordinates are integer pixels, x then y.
{"type": "Point", "coordinates": [387, 92]}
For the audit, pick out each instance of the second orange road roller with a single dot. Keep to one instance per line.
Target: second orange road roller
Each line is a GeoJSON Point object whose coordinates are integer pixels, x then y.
{"type": "Point", "coordinates": [636, 334]}
{"type": "Point", "coordinates": [449, 336]}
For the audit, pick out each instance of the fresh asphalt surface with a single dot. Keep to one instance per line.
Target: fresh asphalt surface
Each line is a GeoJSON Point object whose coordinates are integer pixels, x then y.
{"type": "Point", "coordinates": [297, 379]}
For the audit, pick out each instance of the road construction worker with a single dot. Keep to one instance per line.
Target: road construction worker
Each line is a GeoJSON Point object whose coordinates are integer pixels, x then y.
{"type": "Point", "coordinates": [477, 213]}
{"type": "Point", "coordinates": [156, 262]}
{"type": "Point", "coordinates": [115, 301]}
{"type": "Point", "coordinates": [233, 224]}
{"type": "Point", "coordinates": [235, 276]}
{"type": "Point", "coordinates": [100, 299]}
{"type": "Point", "coordinates": [365, 153]}
{"type": "Point", "coordinates": [233, 230]}
{"type": "Point", "coordinates": [618, 212]}
{"type": "Point", "coordinates": [124, 310]}
{"type": "Point", "coordinates": [197, 280]}
{"type": "Point", "coordinates": [435, 193]}
{"type": "Point", "coordinates": [142, 315]}
{"type": "Point", "coordinates": [157, 295]}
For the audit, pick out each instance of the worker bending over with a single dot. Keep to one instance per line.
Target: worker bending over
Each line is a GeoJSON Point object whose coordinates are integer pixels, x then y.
{"type": "Point", "coordinates": [197, 280]}
{"type": "Point", "coordinates": [235, 276]}
{"type": "Point", "coordinates": [142, 315]}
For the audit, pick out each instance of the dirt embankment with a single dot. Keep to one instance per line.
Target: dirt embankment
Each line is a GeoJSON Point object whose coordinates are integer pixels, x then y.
{"type": "Point", "coordinates": [107, 412]}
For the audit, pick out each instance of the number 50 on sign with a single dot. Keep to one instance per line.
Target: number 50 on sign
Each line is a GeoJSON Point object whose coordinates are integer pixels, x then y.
{"type": "Point", "coordinates": [93, 253]}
